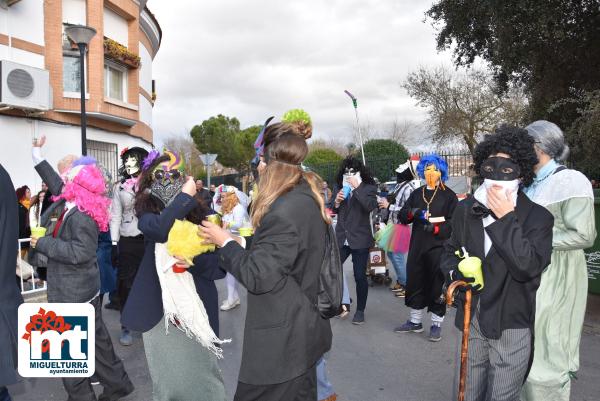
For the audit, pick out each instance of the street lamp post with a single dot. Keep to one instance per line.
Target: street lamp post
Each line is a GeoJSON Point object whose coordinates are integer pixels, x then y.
{"type": "Point", "coordinates": [208, 159]}
{"type": "Point", "coordinates": [81, 35]}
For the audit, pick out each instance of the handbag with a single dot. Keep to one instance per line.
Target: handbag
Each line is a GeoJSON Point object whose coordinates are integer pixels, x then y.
{"type": "Point", "coordinates": [24, 269]}
{"type": "Point", "coordinates": [331, 279]}
{"type": "Point", "coordinates": [329, 300]}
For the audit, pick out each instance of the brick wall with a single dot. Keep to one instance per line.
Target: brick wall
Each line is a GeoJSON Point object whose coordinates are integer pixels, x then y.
{"type": "Point", "coordinates": [95, 67]}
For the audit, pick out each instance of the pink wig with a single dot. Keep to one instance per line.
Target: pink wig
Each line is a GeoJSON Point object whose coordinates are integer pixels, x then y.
{"type": "Point", "coordinates": [85, 186]}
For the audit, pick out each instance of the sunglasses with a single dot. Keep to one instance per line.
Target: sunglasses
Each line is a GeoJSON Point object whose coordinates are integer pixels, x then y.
{"type": "Point", "coordinates": [161, 175]}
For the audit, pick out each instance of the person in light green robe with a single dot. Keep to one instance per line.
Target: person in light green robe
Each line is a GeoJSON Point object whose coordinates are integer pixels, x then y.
{"type": "Point", "coordinates": [561, 297]}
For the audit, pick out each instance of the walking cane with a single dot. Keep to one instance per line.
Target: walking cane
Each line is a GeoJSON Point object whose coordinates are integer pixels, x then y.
{"type": "Point", "coordinates": [464, 352]}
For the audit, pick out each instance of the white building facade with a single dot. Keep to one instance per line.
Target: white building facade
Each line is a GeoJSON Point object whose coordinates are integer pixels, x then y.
{"type": "Point", "coordinates": [40, 82]}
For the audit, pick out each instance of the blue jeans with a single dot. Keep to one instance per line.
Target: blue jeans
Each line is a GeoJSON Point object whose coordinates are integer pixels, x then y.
{"type": "Point", "coordinates": [399, 263]}
{"type": "Point", "coordinates": [345, 291]}
{"type": "Point", "coordinates": [324, 387]}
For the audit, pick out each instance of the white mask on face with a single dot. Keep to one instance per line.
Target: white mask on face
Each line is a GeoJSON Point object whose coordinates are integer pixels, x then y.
{"type": "Point", "coordinates": [511, 186]}
{"type": "Point", "coordinates": [131, 166]}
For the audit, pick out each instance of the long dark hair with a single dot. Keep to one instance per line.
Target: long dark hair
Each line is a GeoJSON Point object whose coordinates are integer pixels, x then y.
{"type": "Point", "coordinates": [21, 192]}
{"type": "Point", "coordinates": [357, 165]}
{"type": "Point", "coordinates": [145, 202]}
{"type": "Point", "coordinates": [36, 204]}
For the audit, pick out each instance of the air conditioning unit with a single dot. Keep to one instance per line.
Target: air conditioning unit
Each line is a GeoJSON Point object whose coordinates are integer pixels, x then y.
{"type": "Point", "coordinates": [24, 87]}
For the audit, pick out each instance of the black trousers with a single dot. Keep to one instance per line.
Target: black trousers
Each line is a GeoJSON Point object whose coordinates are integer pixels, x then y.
{"type": "Point", "coordinates": [131, 251]}
{"type": "Point", "coordinates": [109, 368]}
{"type": "Point", "coordinates": [4, 396]}
{"type": "Point", "coordinates": [360, 258]}
{"type": "Point", "coordinates": [302, 388]}
{"type": "Point", "coordinates": [424, 281]}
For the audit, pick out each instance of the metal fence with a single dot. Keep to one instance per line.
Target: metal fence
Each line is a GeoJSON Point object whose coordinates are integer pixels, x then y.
{"type": "Point", "coordinates": [459, 164]}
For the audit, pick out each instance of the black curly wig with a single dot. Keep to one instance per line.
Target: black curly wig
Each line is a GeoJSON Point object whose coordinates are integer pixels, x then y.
{"type": "Point", "coordinates": [356, 164]}
{"type": "Point", "coordinates": [513, 141]}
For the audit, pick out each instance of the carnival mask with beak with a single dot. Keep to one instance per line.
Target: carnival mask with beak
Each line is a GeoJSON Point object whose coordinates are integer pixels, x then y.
{"type": "Point", "coordinates": [168, 179]}
{"type": "Point", "coordinates": [432, 175]}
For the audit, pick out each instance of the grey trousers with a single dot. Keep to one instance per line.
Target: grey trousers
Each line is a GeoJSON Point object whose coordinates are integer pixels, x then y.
{"type": "Point", "coordinates": [109, 368]}
{"type": "Point", "coordinates": [181, 369]}
{"type": "Point", "coordinates": [496, 368]}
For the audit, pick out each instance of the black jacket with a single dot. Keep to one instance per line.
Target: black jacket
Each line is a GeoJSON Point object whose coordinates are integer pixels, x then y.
{"type": "Point", "coordinates": [10, 295]}
{"type": "Point", "coordinates": [442, 205]}
{"type": "Point", "coordinates": [144, 308]}
{"type": "Point", "coordinates": [284, 335]}
{"type": "Point", "coordinates": [353, 222]}
{"type": "Point", "coordinates": [24, 229]}
{"type": "Point", "coordinates": [512, 269]}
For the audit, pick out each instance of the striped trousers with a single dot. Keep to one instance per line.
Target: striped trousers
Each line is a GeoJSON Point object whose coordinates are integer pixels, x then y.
{"type": "Point", "coordinates": [496, 368]}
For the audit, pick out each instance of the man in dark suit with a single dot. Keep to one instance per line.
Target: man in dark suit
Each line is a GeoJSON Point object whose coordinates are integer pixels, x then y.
{"type": "Point", "coordinates": [512, 237]}
{"type": "Point", "coordinates": [356, 198]}
{"type": "Point", "coordinates": [203, 194]}
{"type": "Point", "coordinates": [10, 296]}
{"type": "Point", "coordinates": [69, 252]}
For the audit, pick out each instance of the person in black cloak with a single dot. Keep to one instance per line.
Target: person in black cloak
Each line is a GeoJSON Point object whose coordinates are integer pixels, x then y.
{"type": "Point", "coordinates": [429, 208]}
{"type": "Point", "coordinates": [10, 297]}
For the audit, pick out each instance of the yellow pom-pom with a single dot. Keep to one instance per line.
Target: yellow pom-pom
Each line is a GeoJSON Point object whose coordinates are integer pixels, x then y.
{"type": "Point", "coordinates": [184, 241]}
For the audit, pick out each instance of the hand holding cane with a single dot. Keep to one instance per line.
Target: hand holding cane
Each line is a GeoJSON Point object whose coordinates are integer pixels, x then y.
{"type": "Point", "coordinates": [452, 288]}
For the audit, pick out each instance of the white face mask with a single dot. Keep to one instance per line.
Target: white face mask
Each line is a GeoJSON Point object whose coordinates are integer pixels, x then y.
{"type": "Point", "coordinates": [512, 187]}
{"type": "Point", "coordinates": [131, 166]}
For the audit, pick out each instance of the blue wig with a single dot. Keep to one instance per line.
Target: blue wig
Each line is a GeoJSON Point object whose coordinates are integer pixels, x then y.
{"type": "Point", "coordinates": [437, 161]}
{"type": "Point", "coordinates": [84, 161]}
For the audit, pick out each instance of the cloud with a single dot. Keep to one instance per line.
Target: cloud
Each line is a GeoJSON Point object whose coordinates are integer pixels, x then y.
{"type": "Point", "coordinates": [260, 58]}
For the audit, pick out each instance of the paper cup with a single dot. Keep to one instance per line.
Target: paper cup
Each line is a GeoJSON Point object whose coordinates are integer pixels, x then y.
{"type": "Point", "coordinates": [347, 189]}
{"type": "Point", "coordinates": [471, 267]}
{"type": "Point", "coordinates": [246, 231]}
{"type": "Point", "coordinates": [38, 232]}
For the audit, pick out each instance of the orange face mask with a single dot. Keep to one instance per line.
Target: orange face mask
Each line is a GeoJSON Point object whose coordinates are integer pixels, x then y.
{"type": "Point", "coordinates": [432, 176]}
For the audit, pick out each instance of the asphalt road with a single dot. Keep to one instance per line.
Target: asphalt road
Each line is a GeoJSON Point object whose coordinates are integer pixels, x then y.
{"type": "Point", "coordinates": [367, 363]}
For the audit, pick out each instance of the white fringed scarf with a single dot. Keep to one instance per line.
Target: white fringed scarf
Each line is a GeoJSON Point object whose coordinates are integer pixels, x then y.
{"type": "Point", "coordinates": [181, 303]}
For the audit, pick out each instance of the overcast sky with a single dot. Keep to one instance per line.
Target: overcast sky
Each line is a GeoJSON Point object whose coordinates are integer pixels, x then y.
{"type": "Point", "coordinates": [253, 59]}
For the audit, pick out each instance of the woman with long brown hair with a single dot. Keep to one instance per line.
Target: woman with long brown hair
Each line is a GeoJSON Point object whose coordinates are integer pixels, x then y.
{"type": "Point", "coordinates": [24, 202]}
{"type": "Point", "coordinates": [284, 335]}
{"type": "Point", "coordinates": [35, 209]}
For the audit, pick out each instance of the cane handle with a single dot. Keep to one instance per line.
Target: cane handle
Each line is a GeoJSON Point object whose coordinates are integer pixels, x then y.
{"type": "Point", "coordinates": [464, 352]}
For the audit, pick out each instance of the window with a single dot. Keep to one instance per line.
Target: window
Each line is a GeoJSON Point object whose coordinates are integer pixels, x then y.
{"type": "Point", "coordinates": [71, 77]}
{"type": "Point", "coordinates": [115, 82]}
{"type": "Point", "coordinates": [107, 156]}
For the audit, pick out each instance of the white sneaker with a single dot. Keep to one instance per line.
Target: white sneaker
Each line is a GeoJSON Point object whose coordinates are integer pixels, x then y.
{"type": "Point", "coordinates": [227, 305]}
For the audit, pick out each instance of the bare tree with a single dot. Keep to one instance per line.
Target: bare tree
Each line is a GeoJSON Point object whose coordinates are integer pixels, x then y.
{"type": "Point", "coordinates": [184, 146]}
{"type": "Point", "coordinates": [367, 130]}
{"type": "Point", "coordinates": [462, 105]}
